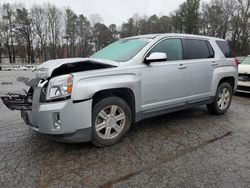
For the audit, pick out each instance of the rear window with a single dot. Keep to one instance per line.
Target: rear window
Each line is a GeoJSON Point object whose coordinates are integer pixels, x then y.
{"type": "Point", "coordinates": [197, 49]}
{"type": "Point", "coordinates": [225, 49]}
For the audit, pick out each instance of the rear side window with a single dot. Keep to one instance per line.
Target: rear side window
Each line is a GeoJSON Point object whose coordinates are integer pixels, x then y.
{"type": "Point", "coordinates": [225, 49]}
{"type": "Point", "coordinates": [197, 49]}
{"type": "Point", "coordinates": [172, 47]}
{"type": "Point", "coordinates": [210, 49]}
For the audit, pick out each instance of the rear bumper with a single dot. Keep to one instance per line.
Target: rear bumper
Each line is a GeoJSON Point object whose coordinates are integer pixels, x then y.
{"type": "Point", "coordinates": [74, 119]}
{"type": "Point", "coordinates": [243, 87]}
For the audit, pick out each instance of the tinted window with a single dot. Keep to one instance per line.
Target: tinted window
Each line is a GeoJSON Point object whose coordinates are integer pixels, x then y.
{"type": "Point", "coordinates": [211, 50]}
{"type": "Point", "coordinates": [196, 49]}
{"type": "Point", "coordinates": [172, 47]}
{"type": "Point", "coordinates": [225, 49]}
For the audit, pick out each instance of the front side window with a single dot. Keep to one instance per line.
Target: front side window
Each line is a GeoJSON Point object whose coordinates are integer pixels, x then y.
{"type": "Point", "coordinates": [172, 47]}
{"type": "Point", "coordinates": [246, 61]}
{"type": "Point", "coordinates": [122, 50]}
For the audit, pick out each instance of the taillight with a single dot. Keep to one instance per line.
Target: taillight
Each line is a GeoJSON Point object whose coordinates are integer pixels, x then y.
{"type": "Point", "coordinates": [236, 61]}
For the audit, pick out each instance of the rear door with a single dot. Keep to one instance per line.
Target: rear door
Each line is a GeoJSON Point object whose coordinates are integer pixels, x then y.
{"type": "Point", "coordinates": [199, 56]}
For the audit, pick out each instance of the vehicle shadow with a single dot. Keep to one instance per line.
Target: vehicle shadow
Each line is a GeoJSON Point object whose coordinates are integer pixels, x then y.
{"type": "Point", "coordinates": [245, 95]}
{"type": "Point", "coordinates": [151, 124]}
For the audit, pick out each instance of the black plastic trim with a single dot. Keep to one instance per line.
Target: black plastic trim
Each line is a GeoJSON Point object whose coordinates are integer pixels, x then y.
{"type": "Point", "coordinates": [82, 135]}
{"type": "Point", "coordinates": [156, 112]}
{"type": "Point", "coordinates": [79, 101]}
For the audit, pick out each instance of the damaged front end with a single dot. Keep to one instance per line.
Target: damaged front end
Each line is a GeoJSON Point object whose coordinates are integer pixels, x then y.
{"type": "Point", "coordinates": [47, 107]}
{"type": "Point", "coordinates": [21, 102]}
{"type": "Point", "coordinates": [44, 88]}
{"type": "Point", "coordinates": [17, 101]}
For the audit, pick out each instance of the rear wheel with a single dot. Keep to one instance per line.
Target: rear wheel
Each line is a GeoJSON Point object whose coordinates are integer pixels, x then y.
{"type": "Point", "coordinates": [111, 119]}
{"type": "Point", "coordinates": [222, 100]}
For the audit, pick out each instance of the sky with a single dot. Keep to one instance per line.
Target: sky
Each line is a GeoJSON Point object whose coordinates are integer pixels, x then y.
{"type": "Point", "coordinates": [111, 11]}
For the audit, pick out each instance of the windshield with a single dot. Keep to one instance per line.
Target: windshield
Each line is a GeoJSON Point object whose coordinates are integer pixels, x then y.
{"type": "Point", "coordinates": [122, 50]}
{"type": "Point", "coordinates": [246, 61]}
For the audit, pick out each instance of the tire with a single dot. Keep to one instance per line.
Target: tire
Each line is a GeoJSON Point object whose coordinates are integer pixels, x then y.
{"type": "Point", "coordinates": [222, 101]}
{"type": "Point", "coordinates": [111, 120]}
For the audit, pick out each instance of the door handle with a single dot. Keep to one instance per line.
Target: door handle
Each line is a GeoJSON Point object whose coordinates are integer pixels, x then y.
{"type": "Point", "coordinates": [214, 63]}
{"type": "Point", "coordinates": [181, 66]}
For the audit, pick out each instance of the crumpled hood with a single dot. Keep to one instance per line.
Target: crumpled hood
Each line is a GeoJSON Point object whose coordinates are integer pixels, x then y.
{"type": "Point", "coordinates": [46, 69]}
{"type": "Point", "coordinates": [244, 69]}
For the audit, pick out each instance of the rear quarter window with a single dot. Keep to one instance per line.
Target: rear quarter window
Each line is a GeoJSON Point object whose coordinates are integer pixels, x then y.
{"type": "Point", "coordinates": [224, 47]}
{"type": "Point", "coordinates": [197, 49]}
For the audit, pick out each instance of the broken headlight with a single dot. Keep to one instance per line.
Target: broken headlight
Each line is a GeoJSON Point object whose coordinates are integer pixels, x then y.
{"type": "Point", "coordinates": [60, 87]}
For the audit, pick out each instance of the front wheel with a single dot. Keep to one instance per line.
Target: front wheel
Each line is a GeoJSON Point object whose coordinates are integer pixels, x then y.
{"type": "Point", "coordinates": [111, 119]}
{"type": "Point", "coordinates": [222, 100]}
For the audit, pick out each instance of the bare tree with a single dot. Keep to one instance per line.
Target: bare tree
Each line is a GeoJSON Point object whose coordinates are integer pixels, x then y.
{"type": "Point", "coordinates": [95, 18]}
{"type": "Point", "coordinates": [71, 31]}
{"type": "Point", "coordinates": [8, 19]}
{"type": "Point", "coordinates": [40, 22]}
{"type": "Point", "coordinates": [54, 23]}
{"type": "Point", "coordinates": [244, 24]}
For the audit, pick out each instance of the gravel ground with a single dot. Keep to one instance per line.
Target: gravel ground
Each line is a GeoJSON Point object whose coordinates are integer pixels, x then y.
{"type": "Point", "coordinates": [189, 148]}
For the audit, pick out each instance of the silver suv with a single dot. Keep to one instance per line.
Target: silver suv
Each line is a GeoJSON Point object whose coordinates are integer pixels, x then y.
{"type": "Point", "coordinates": [98, 98]}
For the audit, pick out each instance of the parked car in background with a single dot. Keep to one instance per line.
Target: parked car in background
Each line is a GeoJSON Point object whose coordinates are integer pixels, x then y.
{"type": "Point", "coordinates": [8, 68]}
{"type": "Point", "coordinates": [30, 67]}
{"type": "Point", "coordinates": [19, 68]}
{"type": "Point", "coordinates": [98, 98]}
{"type": "Point", "coordinates": [244, 76]}
{"type": "Point", "coordinates": [240, 58]}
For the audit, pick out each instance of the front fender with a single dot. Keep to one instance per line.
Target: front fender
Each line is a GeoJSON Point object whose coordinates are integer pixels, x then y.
{"type": "Point", "coordinates": [85, 88]}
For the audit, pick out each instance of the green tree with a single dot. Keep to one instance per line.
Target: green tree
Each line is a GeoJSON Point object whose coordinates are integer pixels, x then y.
{"type": "Point", "coordinates": [102, 35]}
{"type": "Point", "coordinates": [128, 29]}
{"type": "Point", "coordinates": [165, 25]}
{"type": "Point", "coordinates": [177, 21]}
{"type": "Point", "coordinates": [84, 36]}
{"type": "Point", "coordinates": [153, 24]}
{"type": "Point", "coordinates": [190, 15]}
{"type": "Point", "coordinates": [114, 32]}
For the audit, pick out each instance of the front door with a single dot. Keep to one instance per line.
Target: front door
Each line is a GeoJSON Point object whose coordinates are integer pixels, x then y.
{"type": "Point", "coordinates": [165, 84]}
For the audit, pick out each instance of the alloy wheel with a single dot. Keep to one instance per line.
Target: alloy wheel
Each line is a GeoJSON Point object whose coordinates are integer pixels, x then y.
{"type": "Point", "coordinates": [110, 122]}
{"type": "Point", "coordinates": [223, 99]}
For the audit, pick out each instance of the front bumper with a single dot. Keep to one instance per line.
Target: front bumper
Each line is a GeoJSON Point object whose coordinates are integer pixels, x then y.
{"type": "Point", "coordinates": [74, 118]}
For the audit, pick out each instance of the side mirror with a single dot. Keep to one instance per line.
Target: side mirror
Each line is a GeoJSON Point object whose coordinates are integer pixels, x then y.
{"type": "Point", "coordinates": [156, 57]}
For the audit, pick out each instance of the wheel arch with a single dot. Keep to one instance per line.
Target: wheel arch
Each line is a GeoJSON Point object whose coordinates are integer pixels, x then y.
{"type": "Point", "coordinates": [224, 74]}
{"type": "Point", "coordinates": [124, 93]}
{"type": "Point", "coordinates": [230, 80]}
